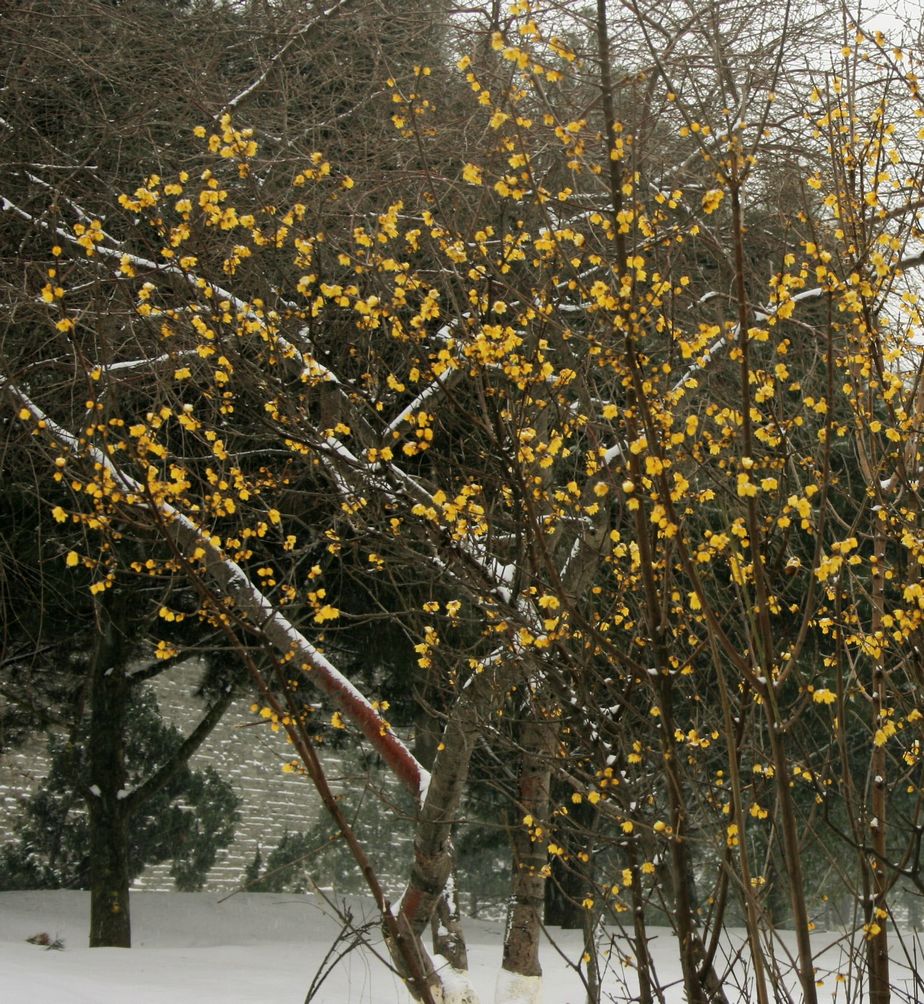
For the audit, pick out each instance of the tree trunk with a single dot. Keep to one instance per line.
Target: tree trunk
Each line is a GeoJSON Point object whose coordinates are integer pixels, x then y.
{"type": "Point", "coordinates": [446, 926]}
{"type": "Point", "coordinates": [564, 891]}
{"type": "Point", "coordinates": [570, 882]}
{"type": "Point", "coordinates": [701, 981]}
{"type": "Point", "coordinates": [110, 918]}
{"type": "Point", "coordinates": [529, 842]}
{"type": "Point", "coordinates": [643, 963]}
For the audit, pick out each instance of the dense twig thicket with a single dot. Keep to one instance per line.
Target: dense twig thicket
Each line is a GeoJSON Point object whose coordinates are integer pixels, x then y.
{"type": "Point", "coordinates": [588, 364]}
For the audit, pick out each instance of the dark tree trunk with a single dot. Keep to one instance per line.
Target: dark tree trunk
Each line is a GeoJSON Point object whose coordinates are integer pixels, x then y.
{"type": "Point", "coordinates": [570, 881]}
{"type": "Point", "coordinates": [564, 892]}
{"type": "Point", "coordinates": [110, 919]}
{"type": "Point", "coordinates": [529, 841]}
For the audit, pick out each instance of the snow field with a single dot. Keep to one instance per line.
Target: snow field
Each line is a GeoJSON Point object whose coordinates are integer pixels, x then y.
{"type": "Point", "coordinates": [260, 948]}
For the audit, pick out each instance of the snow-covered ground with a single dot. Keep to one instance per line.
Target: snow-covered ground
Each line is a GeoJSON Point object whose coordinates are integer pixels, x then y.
{"type": "Point", "coordinates": [251, 949]}
{"type": "Point", "coordinates": [263, 949]}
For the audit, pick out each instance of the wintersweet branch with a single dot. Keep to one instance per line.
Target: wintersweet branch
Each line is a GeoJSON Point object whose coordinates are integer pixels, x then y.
{"type": "Point", "coordinates": [230, 580]}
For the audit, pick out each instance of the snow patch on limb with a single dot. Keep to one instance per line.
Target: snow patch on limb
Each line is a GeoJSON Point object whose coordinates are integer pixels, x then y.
{"type": "Point", "coordinates": [456, 983]}
{"type": "Point", "coordinates": [513, 988]}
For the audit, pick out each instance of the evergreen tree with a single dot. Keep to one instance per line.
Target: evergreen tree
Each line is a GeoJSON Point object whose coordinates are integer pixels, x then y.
{"type": "Point", "coordinates": [188, 821]}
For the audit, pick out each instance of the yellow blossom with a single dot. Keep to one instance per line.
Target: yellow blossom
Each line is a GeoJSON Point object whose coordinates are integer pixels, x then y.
{"type": "Point", "coordinates": [472, 174]}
